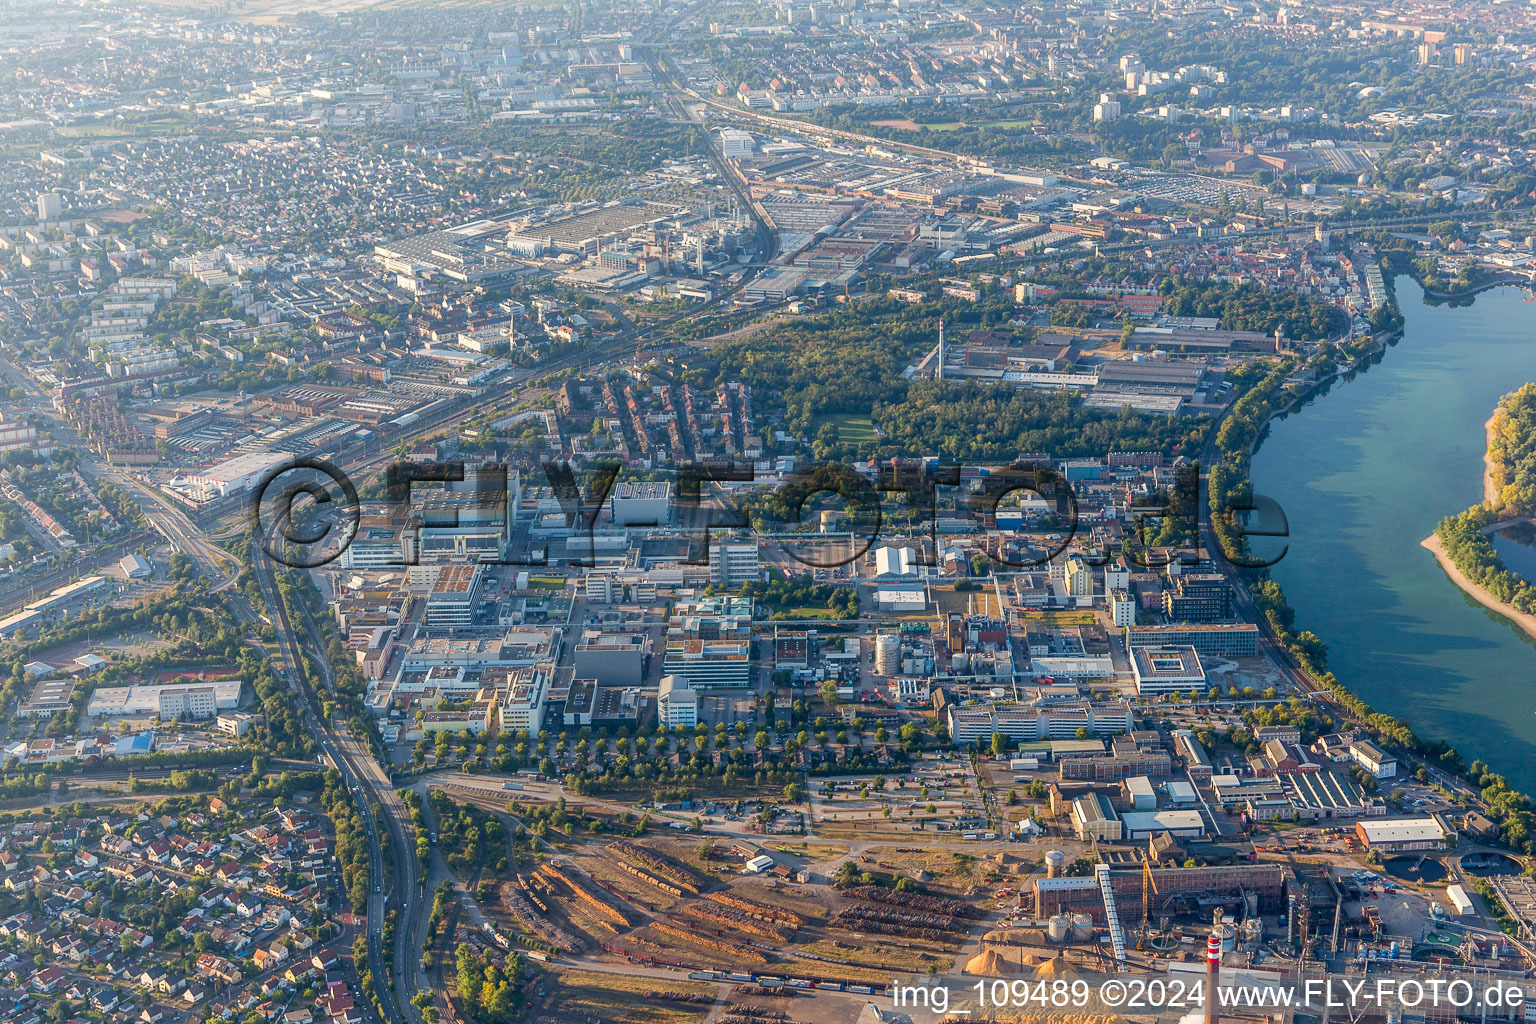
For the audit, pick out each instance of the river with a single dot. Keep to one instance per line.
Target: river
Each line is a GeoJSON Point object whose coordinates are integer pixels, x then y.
{"type": "Point", "coordinates": [1364, 472]}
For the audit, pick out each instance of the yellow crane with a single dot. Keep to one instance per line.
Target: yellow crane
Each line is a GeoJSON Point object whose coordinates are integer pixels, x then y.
{"type": "Point", "coordinates": [1148, 890]}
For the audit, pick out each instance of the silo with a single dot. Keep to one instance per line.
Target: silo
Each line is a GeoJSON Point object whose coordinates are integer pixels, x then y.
{"type": "Point", "coordinates": [1082, 927]}
{"type": "Point", "coordinates": [888, 654]}
{"type": "Point", "coordinates": [1056, 928]}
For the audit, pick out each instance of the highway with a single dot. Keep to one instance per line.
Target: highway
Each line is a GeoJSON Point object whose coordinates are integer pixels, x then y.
{"type": "Point", "coordinates": [412, 890]}
{"type": "Point", "coordinates": [365, 787]}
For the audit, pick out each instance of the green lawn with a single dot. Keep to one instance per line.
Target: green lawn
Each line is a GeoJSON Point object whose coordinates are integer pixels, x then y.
{"type": "Point", "coordinates": [1006, 126]}
{"type": "Point", "coordinates": [802, 613]}
{"type": "Point", "coordinates": [850, 427]}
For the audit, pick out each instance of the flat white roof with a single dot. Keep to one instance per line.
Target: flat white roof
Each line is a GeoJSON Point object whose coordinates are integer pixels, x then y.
{"type": "Point", "coordinates": [136, 700]}
{"type": "Point", "coordinates": [1139, 785]}
{"type": "Point", "coordinates": [1181, 791]}
{"type": "Point", "coordinates": [1156, 821]}
{"type": "Point", "coordinates": [1401, 830]}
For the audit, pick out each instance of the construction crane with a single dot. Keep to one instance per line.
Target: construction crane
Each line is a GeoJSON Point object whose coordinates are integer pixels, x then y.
{"type": "Point", "coordinates": [1148, 890]}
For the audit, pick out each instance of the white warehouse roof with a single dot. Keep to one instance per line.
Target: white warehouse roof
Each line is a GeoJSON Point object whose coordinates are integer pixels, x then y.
{"type": "Point", "coordinates": [1402, 830]}
{"type": "Point", "coordinates": [1177, 822]}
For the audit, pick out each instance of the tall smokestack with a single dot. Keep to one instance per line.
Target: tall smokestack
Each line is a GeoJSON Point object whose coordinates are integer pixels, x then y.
{"type": "Point", "coordinates": [1212, 968]}
{"type": "Point", "coordinates": [940, 374]}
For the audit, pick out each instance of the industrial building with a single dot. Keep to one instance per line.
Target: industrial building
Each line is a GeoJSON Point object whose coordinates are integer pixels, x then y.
{"type": "Point", "coordinates": [1179, 891]}
{"type": "Point", "coordinates": [1142, 824]}
{"type": "Point", "coordinates": [642, 503]}
{"type": "Point", "coordinates": [1093, 818]}
{"type": "Point", "coordinates": [234, 475]}
{"type": "Point", "coordinates": [1119, 765]}
{"type": "Point", "coordinates": [1133, 377]}
{"type": "Point", "coordinates": [1175, 339]}
{"type": "Point", "coordinates": [1391, 835]}
{"type": "Point", "coordinates": [136, 567]}
{"type": "Point", "coordinates": [1313, 903]}
{"type": "Point", "coordinates": [612, 659]}
{"type": "Point", "coordinates": [57, 605]}
{"type": "Point", "coordinates": [1042, 719]}
{"type": "Point", "coordinates": [172, 701]}
{"type": "Point", "coordinates": [1323, 795]}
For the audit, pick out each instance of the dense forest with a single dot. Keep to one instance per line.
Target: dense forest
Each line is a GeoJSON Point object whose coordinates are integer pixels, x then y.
{"type": "Point", "coordinates": [977, 421]}
{"type": "Point", "coordinates": [1252, 307]}
{"type": "Point", "coordinates": [1512, 451]}
{"type": "Point", "coordinates": [838, 380]}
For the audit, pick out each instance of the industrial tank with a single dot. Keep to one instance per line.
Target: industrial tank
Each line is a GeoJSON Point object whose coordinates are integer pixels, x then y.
{"type": "Point", "coordinates": [1082, 927]}
{"type": "Point", "coordinates": [1056, 928]}
{"type": "Point", "coordinates": [1055, 862]}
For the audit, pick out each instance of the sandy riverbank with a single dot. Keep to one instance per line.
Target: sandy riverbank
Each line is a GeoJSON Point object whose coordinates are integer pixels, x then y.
{"type": "Point", "coordinates": [1472, 590]}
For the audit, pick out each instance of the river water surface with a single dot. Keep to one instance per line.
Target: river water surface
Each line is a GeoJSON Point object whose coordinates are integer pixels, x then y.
{"type": "Point", "coordinates": [1364, 473]}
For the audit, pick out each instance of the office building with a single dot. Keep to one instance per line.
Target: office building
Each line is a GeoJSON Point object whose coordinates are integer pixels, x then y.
{"type": "Point", "coordinates": [452, 599]}
{"type": "Point", "coordinates": [731, 565]}
{"type": "Point", "coordinates": [1198, 597]}
{"type": "Point", "coordinates": [1377, 763]}
{"type": "Point", "coordinates": [522, 702]}
{"type": "Point", "coordinates": [1079, 579]}
{"type": "Point", "coordinates": [1122, 608]}
{"type": "Point", "coordinates": [1169, 669]}
{"type": "Point", "coordinates": [676, 704]}
{"type": "Point", "coordinates": [735, 143]}
{"type": "Point", "coordinates": [709, 664]}
{"type": "Point", "coordinates": [1210, 640]}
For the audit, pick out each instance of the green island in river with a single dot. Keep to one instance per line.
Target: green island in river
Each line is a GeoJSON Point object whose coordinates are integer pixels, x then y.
{"type": "Point", "coordinates": [1462, 543]}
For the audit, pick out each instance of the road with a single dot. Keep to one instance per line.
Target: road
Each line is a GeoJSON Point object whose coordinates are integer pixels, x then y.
{"type": "Point", "coordinates": [363, 777]}
{"type": "Point", "coordinates": [173, 524]}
